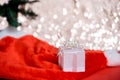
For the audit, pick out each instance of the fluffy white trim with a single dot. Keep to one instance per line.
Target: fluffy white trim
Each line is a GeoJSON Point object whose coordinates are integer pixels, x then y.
{"type": "Point", "coordinates": [113, 57]}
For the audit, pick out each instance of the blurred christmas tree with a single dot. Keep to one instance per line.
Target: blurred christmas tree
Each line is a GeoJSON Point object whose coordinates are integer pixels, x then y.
{"type": "Point", "coordinates": [10, 9]}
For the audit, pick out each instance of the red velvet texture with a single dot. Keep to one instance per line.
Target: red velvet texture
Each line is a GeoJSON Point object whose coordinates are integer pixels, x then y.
{"type": "Point", "coordinates": [28, 58]}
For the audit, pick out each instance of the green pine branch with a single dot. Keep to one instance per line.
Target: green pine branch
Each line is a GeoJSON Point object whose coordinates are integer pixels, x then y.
{"type": "Point", "coordinates": [10, 11]}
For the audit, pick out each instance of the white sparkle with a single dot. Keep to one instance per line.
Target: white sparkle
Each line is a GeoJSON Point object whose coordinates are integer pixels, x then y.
{"type": "Point", "coordinates": [42, 19]}
{"type": "Point", "coordinates": [47, 36]}
{"type": "Point", "coordinates": [19, 28]}
{"type": "Point", "coordinates": [64, 11]}
{"type": "Point", "coordinates": [55, 16]}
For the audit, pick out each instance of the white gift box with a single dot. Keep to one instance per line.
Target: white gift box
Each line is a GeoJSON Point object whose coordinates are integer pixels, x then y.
{"type": "Point", "coordinates": [72, 59]}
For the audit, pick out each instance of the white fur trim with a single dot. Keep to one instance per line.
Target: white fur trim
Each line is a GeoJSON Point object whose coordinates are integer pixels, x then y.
{"type": "Point", "coordinates": [113, 57]}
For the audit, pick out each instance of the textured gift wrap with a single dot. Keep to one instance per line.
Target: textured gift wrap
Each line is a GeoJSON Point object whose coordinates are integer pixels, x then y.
{"type": "Point", "coordinates": [72, 60]}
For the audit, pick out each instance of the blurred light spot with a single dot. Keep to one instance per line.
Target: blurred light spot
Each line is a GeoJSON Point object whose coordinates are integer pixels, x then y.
{"type": "Point", "coordinates": [35, 34]}
{"type": "Point", "coordinates": [47, 36]}
{"type": "Point", "coordinates": [42, 19]}
{"type": "Point", "coordinates": [55, 16]}
{"type": "Point", "coordinates": [19, 28]}
{"type": "Point", "coordinates": [64, 11]}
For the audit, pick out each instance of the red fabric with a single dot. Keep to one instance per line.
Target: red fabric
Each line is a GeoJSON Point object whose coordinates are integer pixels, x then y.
{"type": "Point", "coordinates": [29, 58]}
{"type": "Point", "coordinates": [110, 73]}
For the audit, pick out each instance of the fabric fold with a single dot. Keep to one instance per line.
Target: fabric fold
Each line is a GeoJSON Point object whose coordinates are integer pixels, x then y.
{"type": "Point", "coordinates": [28, 58]}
